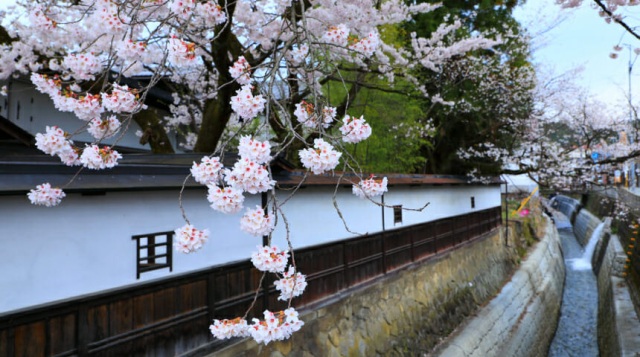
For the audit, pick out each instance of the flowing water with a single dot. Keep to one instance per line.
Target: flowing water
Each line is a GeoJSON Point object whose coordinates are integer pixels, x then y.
{"type": "Point", "coordinates": [584, 262]}
{"type": "Point", "coordinates": [577, 333]}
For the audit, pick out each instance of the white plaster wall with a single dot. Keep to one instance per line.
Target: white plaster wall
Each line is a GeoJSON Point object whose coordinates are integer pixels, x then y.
{"type": "Point", "coordinates": [84, 245]}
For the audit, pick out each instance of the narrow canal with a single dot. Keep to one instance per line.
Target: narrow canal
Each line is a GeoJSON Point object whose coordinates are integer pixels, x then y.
{"type": "Point", "coordinates": [577, 332]}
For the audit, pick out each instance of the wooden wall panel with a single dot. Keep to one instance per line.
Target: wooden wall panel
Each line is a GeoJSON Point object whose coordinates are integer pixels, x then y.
{"type": "Point", "coordinates": [164, 305]}
{"type": "Point", "coordinates": [120, 317]}
{"type": "Point", "coordinates": [97, 323]}
{"type": "Point", "coordinates": [62, 334]}
{"type": "Point", "coordinates": [30, 340]}
{"type": "Point", "coordinates": [143, 308]}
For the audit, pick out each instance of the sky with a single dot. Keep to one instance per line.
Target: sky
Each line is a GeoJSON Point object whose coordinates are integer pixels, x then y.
{"type": "Point", "coordinates": [583, 39]}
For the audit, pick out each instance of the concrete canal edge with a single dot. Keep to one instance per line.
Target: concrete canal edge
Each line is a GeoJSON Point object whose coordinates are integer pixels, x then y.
{"type": "Point", "coordinates": [522, 319]}
{"type": "Point", "coordinates": [618, 325]}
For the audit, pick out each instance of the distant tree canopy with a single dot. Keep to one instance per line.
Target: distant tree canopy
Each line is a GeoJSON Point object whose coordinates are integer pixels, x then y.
{"type": "Point", "coordinates": [486, 97]}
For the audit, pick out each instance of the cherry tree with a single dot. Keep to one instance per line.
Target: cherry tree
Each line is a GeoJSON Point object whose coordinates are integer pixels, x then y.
{"type": "Point", "coordinates": [245, 75]}
{"type": "Point", "coordinates": [571, 136]}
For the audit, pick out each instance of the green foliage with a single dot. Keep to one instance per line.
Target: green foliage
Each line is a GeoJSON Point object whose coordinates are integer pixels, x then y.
{"type": "Point", "coordinates": [492, 90]}
{"type": "Point", "coordinates": [395, 142]}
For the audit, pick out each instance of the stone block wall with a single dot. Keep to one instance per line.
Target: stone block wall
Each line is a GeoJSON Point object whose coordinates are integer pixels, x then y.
{"type": "Point", "coordinates": [406, 312]}
{"type": "Point", "coordinates": [522, 319]}
{"type": "Point", "coordinates": [618, 325]}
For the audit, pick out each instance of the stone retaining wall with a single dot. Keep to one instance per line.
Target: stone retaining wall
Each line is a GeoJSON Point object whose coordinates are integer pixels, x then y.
{"type": "Point", "coordinates": [522, 319]}
{"type": "Point", "coordinates": [404, 313]}
{"type": "Point", "coordinates": [618, 325]}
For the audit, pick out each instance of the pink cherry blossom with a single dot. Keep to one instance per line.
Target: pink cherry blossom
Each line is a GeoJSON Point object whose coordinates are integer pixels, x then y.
{"type": "Point", "coordinates": [103, 129]}
{"type": "Point", "coordinates": [39, 19]}
{"type": "Point", "coordinates": [254, 150]}
{"type": "Point", "coordinates": [53, 141]}
{"type": "Point", "coordinates": [297, 55]}
{"type": "Point", "coordinates": [323, 157]}
{"type": "Point", "coordinates": [181, 53]}
{"type": "Point", "coordinates": [366, 45]}
{"type": "Point", "coordinates": [354, 130]}
{"type": "Point", "coordinates": [291, 285]}
{"type": "Point", "coordinates": [306, 115]}
{"type": "Point", "coordinates": [370, 188]}
{"type": "Point", "coordinates": [207, 171]}
{"type": "Point", "coordinates": [88, 107]}
{"type": "Point", "coordinates": [256, 222]}
{"type": "Point", "coordinates": [82, 66]}
{"type": "Point", "coordinates": [276, 326]}
{"type": "Point", "coordinates": [188, 239]}
{"type": "Point", "coordinates": [241, 71]}
{"type": "Point", "coordinates": [223, 329]}
{"type": "Point", "coordinates": [121, 100]}
{"type": "Point", "coordinates": [97, 158]}
{"type": "Point", "coordinates": [270, 259]}
{"type": "Point", "coordinates": [45, 195]}
{"type": "Point", "coordinates": [245, 104]}
{"type": "Point", "coordinates": [337, 35]}
{"type": "Point", "coordinates": [182, 8]}
{"type": "Point", "coordinates": [225, 199]}
{"type": "Point", "coordinates": [212, 13]}
{"type": "Point", "coordinates": [250, 176]}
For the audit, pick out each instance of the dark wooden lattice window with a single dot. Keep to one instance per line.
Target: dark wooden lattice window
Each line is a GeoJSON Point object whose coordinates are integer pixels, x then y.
{"type": "Point", "coordinates": [397, 214]}
{"type": "Point", "coordinates": [153, 251]}
{"type": "Point", "coordinates": [473, 202]}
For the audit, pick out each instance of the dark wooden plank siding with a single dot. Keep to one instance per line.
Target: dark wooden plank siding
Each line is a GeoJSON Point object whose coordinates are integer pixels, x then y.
{"type": "Point", "coordinates": [62, 334]}
{"type": "Point", "coordinates": [171, 316]}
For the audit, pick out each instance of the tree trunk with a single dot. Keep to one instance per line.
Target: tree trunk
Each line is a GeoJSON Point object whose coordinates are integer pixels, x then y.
{"type": "Point", "coordinates": [153, 132]}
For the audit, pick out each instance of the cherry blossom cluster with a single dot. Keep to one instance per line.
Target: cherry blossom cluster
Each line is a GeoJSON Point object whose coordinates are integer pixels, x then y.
{"type": "Point", "coordinates": [82, 66]}
{"type": "Point", "coordinates": [189, 239]}
{"type": "Point", "coordinates": [306, 115]}
{"type": "Point", "coordinates": [225, 199]}
{"type": "Point", "coordinates": [212, 13]}
{"type": "Point", "coordinates": [103, 129]}
{"type": "Point", "coordinates": [53, 141]}
{"type": "Point", "coordinates": [227, 186]}
{"type": "Point", "coordinates": [321, 158]}
{"type": "Point", "coordinates": [276, 326]}
{"type": "Point", "coordinates": [182, 8]}
{"type": "Point", "coordinates": [95, 157]}
{"type": "Point", "coordinates": [250, 176]}
{"type": "Point", "coordinates": [87, 107]}
{"type": "Point", "coordinates": [121, 100]}
{"type": "Point", "coordinates": [298, 54]}
{"type": "Point", "coordinates": [366, 45]}
{"type": "Point", "coordinates": [241, 71]}
{"type": "Point", "coordinates": [245, 104]}
{"type": "Point", "coordinates": [291, 284]}
{"type": "Point", "coordinates": [270, 259]}
{"type": "Point", "coordinates": [354, 130]}
{"type": "Point", "coordinates": [223, 329]}
{"type": "Point", "coordinates": [45, 195]}
{"type": "Point", "coordinates": [207, 171]}
{"type": "Point", "coordinates": [254, 150]}
{"type": "Point", "coordinates": [256, 222]}
{"type": "Point", "coordinates": [181, 53]}
{"type": "Point", "coordinates": [370, 188]}
{"type": "Point", "coordinates": [337, 35]}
